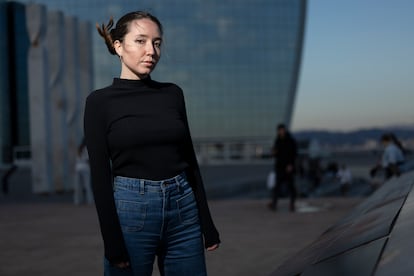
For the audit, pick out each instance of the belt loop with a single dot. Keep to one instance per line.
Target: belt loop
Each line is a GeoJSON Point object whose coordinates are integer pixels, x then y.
{"type": "Point", "coordinates": [141, 186]}
{"type": "Point", "coordinates": [177, 181]}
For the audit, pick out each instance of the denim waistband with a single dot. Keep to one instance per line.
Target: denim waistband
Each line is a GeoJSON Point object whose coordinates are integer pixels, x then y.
{"type": "Point", "coordinates": [137, 183]}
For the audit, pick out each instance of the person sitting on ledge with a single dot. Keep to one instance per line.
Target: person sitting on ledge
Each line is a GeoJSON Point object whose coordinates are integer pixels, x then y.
{"type": "Point", "coordinates": [392, 158]}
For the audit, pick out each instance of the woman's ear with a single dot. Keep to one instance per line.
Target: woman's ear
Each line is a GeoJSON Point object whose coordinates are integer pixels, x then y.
{"type": "Point", "coordinates": [118, 48]}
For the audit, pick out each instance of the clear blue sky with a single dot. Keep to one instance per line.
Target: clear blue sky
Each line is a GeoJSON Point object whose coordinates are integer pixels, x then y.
{"type": "Point", "coordinates": [358, 65]}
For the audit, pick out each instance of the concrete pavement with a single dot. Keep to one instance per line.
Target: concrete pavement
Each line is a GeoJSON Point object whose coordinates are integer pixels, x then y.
{"type": "Point", "coordinates": [58, 238]}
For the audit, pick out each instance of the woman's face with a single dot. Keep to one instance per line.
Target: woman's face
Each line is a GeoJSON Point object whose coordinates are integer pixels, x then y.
{"type": "Point", "coordinates": [140, 49]}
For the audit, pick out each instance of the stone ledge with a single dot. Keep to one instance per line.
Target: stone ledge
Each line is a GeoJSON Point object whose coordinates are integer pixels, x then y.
{"type": "Point", "coordinates": [374, 239]}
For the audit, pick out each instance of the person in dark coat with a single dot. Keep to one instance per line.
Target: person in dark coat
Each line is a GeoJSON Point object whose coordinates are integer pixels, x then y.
{"type": "Point", "coordinates": [285, 152]}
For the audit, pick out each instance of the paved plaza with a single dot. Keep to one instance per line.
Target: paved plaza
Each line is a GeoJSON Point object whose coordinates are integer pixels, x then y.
{"type": "Point", "coordinates": [57, 238]}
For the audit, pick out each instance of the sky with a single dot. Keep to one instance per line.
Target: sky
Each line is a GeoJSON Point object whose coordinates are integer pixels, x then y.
{"type": "Point", "coordinates": [358, 65]}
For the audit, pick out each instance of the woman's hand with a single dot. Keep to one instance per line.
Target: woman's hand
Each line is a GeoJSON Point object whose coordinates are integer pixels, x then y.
{"type": "Point", "coordinates": [122, 265]}
{"type": "Point", "coordinates": [213, 247]}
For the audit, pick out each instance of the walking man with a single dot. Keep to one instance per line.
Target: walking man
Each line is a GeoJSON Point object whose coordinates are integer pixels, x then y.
{"type": "Point", "coordinates": [285, 152]}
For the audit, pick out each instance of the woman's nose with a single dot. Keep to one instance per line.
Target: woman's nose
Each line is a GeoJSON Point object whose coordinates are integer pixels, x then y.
{"type": "Point", "coordinates": [150, 49]}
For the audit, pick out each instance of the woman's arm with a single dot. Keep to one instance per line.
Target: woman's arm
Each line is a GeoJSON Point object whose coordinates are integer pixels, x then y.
{"type": "Point", "coordinates": [211, 235]}
{"type": "Point", "coordinates": [101, 178]}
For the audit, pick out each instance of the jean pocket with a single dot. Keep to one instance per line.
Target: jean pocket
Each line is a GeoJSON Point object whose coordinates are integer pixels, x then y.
{"type": "Point", "coordinates": [187, 209]}
{"type": "Point", "coordinates": [131, 215]}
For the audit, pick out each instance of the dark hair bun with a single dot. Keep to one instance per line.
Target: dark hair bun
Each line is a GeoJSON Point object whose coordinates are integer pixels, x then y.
{"type": "Point", "coordinates": [105, 31]}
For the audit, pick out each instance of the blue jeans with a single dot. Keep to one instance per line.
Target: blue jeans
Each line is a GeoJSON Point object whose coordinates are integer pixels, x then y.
{"type": "Point", "coordinates": [159, 218]}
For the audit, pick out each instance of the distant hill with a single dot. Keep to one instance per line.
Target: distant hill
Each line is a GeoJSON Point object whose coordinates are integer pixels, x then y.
{"type": "Point", "coordinates": [356, 137]}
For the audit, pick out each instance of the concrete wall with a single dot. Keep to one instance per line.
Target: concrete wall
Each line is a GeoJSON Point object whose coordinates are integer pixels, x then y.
{"type": "Point", "coordinates": [60, 77]}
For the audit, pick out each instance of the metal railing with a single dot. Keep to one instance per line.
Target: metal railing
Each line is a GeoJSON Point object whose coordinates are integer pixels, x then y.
{"type": "Point", "coordinates": [232, 151]}
{"type": "Point", "coordinates": [22, 156]}
{"type": "Point", "coordinates": [211, 151]}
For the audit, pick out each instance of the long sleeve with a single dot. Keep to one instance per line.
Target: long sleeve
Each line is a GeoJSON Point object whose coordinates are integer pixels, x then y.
{"type": "Point", "coordinates": [101, 177]}
{"type": "Point", "coordinates": [211, 235]}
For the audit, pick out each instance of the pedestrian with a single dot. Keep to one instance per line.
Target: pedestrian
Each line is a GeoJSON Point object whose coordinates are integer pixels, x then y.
{"type": "Point", "coordinates": [82, 191]}
{"type": "Point", "coordinates": [344, 177]}
{"type": "Point", "coordinates": [392, 156]}
{"type": "Point", "coordinates": [146, 181]}
{"type": "Point", "coordinates": [285, 152]}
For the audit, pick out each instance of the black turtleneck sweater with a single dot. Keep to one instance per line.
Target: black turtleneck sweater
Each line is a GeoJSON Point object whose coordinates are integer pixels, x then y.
{"type": "Point", "coordinates": [139, 129]}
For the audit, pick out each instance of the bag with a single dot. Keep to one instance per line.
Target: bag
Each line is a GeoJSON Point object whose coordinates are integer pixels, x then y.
{"type": "Point", "coordinates": [271, 180]}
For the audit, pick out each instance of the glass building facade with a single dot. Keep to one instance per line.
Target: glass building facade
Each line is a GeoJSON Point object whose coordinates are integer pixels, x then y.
{"type": "Point", "coordinates": [14, 129]}
{"type": "Point", "coordinates": [18, 54]}
{"type": "Point", "coordinates": [237, 61]}
{"type": "Point", "coordinates": [5, 123]}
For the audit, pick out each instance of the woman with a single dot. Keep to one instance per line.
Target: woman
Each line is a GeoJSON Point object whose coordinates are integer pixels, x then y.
{"type": "Point", "coordinates": [137, 134]}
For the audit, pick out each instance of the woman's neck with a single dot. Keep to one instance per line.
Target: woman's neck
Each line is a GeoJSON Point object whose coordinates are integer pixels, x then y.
{"type": "Point", "coordinates": [132, 76]}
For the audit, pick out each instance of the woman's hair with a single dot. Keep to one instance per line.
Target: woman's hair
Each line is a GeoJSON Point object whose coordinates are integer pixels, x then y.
{"type": "Point", "coordinates": [110, 35]}
{"type": "Point", "coordinates": [386, 137]}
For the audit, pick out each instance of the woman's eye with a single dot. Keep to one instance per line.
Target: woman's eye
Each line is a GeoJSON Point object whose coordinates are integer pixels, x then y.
{"type": "Point", "coordinates": [157, 44]}
{"type": "Point", "coordinates": [140, 41]}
